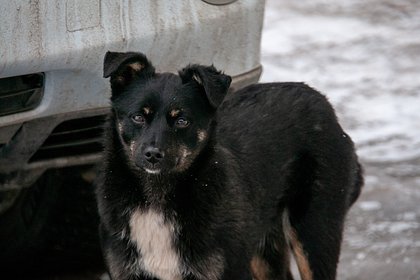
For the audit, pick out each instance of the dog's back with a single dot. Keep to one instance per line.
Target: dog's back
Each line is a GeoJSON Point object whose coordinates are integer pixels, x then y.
{"type": "Point", "coordinates": [272, 127]}
{"type": "Point", "coordinates": [288, 143]}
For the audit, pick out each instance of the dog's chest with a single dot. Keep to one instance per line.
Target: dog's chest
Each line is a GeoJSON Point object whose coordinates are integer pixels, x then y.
{"type": "Point", "coordinates": [154, 238]}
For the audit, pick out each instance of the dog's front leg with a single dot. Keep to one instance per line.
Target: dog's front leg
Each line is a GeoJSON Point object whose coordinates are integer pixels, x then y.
{"type": "Point", "coordinates": [123, 268]}
{"type": "Point", "coordinates": [237, 274]}
{"type": "Point", "coordinates": [121, 262]}
{"type": "Point", "coordinates": [237, 268]}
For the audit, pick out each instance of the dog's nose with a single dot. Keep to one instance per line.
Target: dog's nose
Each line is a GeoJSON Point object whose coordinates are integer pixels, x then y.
{"type": "Point", "coordinates": [153, 155]}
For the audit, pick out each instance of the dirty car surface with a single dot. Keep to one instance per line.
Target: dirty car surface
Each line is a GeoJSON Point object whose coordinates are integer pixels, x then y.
{"type": "Point", "coordinates": [53, 101]}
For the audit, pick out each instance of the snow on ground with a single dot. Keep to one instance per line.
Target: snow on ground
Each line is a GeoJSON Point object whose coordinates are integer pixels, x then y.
{"type": "Point", "coordinates": [368, 68]}
{"type": "Point", "coordinates": [365, 56]}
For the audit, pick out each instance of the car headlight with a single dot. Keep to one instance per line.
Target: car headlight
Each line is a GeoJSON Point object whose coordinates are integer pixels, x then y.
{"type": "Point", "coordinates": [219, 2]}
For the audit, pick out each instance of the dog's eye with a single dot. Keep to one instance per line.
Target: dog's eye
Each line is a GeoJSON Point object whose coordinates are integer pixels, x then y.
{"type": "Point", "coordinates": [138, 119]}
{"type": "Point", "coordinates": [182, 122]}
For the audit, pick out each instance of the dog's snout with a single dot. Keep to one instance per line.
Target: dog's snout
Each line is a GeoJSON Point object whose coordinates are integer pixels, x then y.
{"type": "Point", "coordinates": [153, 155]}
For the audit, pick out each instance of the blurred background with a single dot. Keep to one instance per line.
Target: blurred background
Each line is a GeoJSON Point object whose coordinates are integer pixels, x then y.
{"type": "Point", "coordinates": [365, 56]}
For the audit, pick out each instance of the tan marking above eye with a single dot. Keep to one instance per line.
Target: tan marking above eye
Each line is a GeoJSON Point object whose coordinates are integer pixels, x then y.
{"type": "Point", "coordinates": [147, 110]}
{"type": "Point", "coordinates": [174, 113]}
{"type": "Point", "coordinates": [197, 79]}
{"type": "Point", "coordinates": [136, 66]}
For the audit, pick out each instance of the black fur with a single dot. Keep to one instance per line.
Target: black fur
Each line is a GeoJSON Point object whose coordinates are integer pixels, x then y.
{"type": "Point", "coordinates": [267, 153]}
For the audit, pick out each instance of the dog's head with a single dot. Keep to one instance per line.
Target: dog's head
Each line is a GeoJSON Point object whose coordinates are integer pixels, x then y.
{"type": "Point", "coordinates": [163, 120]}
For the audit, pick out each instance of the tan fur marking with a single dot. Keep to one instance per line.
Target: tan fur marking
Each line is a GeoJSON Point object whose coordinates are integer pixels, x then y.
{"type": "Point", "coordinates": [301, 259]}
{"type": "Point", "coordinates": [136, 66]}
{"type": "Point", "coordinates": [147, 110]}
{"type": "Point", "coordinates": [297, 249]}
{"type": "Point", "coordinates": [185, 158]}
{"type": "Point", "coordinates": [174, 113]}
{"type": "Point", "coordinates": [201, 135]}
{"type": "Point", "coordinates": [197, 79]}
{"type": "Point", "coordinates": [132, 144]}
{"type": "Point", "coordinates": [259, 268]}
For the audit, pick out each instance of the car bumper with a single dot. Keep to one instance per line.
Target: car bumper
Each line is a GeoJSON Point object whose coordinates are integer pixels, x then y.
{"type": "Point", "coordinates": [66, 42]}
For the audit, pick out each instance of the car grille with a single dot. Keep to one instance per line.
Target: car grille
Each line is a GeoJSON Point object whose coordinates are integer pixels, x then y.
{"type": "Point", "coordinates": [72, 138]}
{"type": "Point", "coordinates": [21, 93]}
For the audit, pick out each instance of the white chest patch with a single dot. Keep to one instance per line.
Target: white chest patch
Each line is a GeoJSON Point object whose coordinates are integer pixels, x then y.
{"type": "Point", "coordinates": [153, 237]}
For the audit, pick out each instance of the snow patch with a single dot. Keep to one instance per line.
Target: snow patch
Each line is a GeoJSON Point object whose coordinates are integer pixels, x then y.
{"type": "Point", "coordinates": [370, 205]}
{"type": "Point", "coordinates": [368, 71]}
{"type": "Point", "coordinates": [409, 216]}
{"type": "Point", "coordinates": [392, 227]}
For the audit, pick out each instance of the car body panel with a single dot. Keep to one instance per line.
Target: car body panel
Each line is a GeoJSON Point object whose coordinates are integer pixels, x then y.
{"type": "Point", "coordinates": [67, 40]}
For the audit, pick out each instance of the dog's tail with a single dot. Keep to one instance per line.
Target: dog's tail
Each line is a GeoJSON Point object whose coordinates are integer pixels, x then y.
{"type": "Point", "coordinates": [297, 249]}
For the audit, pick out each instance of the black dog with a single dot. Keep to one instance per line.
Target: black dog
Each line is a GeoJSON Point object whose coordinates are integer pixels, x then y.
{"type": "Point", "coordinates": [200, 185]}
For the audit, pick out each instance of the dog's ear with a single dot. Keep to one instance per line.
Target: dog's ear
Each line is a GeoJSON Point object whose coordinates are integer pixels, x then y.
{"type": "Point", "coordinates": [124, 67]}
{"type": "Point", "coordinates": [214, 82]}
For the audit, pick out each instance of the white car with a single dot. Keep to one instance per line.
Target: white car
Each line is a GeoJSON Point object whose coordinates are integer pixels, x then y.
{"type": "Point", "coordinates": [53, 100]}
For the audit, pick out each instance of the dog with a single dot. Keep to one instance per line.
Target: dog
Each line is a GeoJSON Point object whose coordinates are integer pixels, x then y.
{"type": "Point", "coordinates": [199, 183]}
